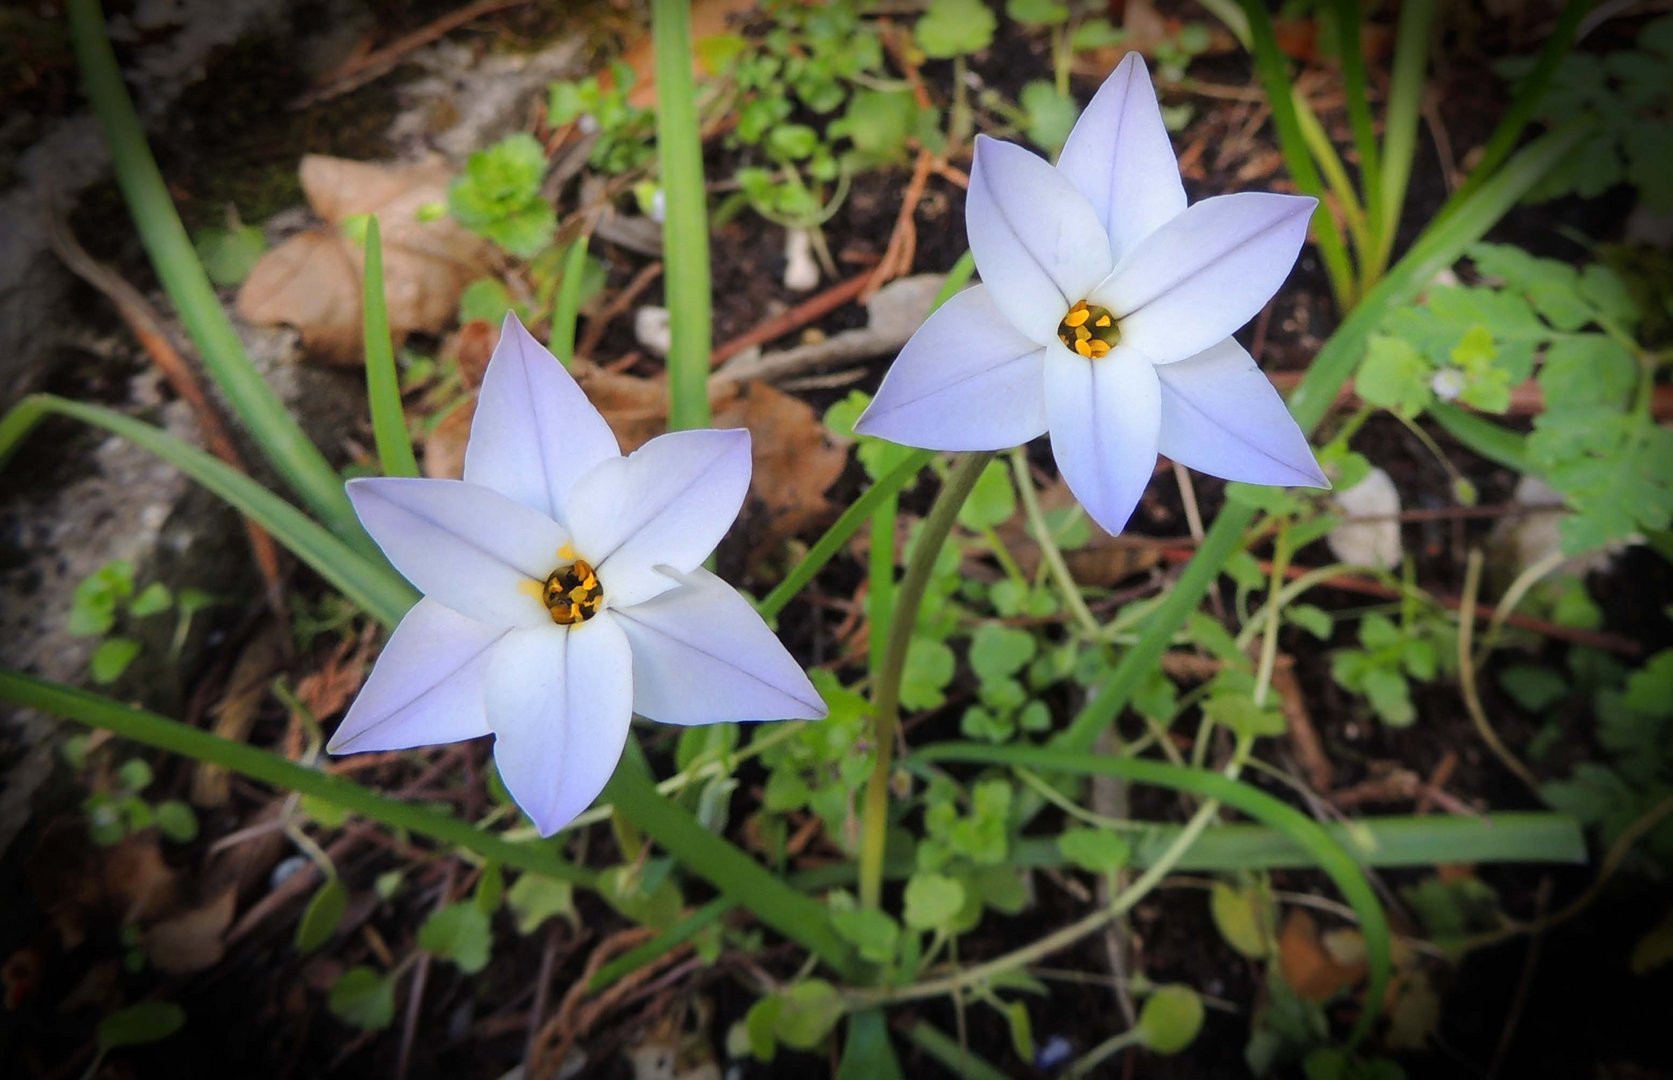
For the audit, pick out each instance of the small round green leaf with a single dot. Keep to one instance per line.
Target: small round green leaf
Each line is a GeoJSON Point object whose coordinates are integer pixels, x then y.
{"type": "Point", "coordinates": [1171, 1018]}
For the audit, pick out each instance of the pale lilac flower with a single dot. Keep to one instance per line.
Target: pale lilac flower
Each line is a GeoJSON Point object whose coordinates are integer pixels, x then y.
{"type": "Point", "coordinates": [563, 592]}
{"type": "Point", "coordinates": [1104, 316]}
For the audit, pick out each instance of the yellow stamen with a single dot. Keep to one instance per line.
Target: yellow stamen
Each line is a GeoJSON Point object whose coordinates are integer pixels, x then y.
{"type": "Point", "coordinates": [1091, 331]}
{"type": "Point", "coordinates": [572, 593]}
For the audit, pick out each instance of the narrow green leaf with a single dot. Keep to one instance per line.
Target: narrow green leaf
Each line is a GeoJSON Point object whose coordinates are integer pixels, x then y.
{"type": "Point", "coordinates": [1329, 855]}
{"type": "Point", "coordinates": [685, 231]}
{"type": "Point", "coordinates": [373, 585]}
{"type": "Point", "coordinates": [136, 1025]}
{"type": "Point", "coordinates": [383, 385]}
{"type": "Point", "coordinates": [281, 439]}
{"type": "Point", "coordinates": [158, 731]}
{"type": "Point", "coordinates": [725, 866]}
{"type": "Point", "coordinates": [322, 915]}
{"type": "Point", "coordinates": [568, 309]}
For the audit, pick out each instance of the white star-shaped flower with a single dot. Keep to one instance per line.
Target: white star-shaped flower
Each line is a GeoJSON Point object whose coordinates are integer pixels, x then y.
{"type": "Point", "coordinates": [1104, 316]}
{"type": "Point", "coordinates": [563, 592]}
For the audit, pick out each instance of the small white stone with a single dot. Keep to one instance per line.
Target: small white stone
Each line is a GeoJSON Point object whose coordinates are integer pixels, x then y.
{"type": "Point", "coordinates": [651, 329]}
{"type": "Point", "coordinates": [1368, 543]}
{"type": "Point", "coordinates": [1447, 384]}
{"type": "Point", "coordinates": [801, 273]}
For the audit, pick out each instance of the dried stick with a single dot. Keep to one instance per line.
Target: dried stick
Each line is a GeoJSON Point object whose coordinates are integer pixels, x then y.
{"type": "Point", "coordinates": [147, 326]}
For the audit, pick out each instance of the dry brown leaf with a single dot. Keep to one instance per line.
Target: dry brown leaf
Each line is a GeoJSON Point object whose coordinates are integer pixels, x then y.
{"type": "Point", "coordinates": [326, 691]}
{"type": "Point", "coordinates": [795, 462]}
{"type": "Point", "coordinates": [313, 280]}
{"type": "Point", "coordinates": [1312, 969]}
{"type": "Point", "coordinates": [192, 940]}
{"type": "Point", "coordinates": [235, 713]}
{"type": "Point", "coordinates": [1104, 560]}
{"type": "Point", "coordinates": [137, 880]}
{"type": "Point", "coordinates": [444, 447]}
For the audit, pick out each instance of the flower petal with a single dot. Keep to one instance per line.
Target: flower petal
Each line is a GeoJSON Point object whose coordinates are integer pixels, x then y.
{"type": "Point", "coordinates": [1104, 415]}
{"type": "Point", "coordinates": [670, 501]}
{"type": "Point", "coordinates": [702, 655]}
{"type": "Point", "coordinates": [1189, 284]}
{"type": "Point", "coordinates": [470, 548]}
{"type": "Point", "coordinates": [1221, 416]}
{"type": "Point", "coordinates": [535, 433]}
{"type": "Point", "coordinates": [1119, 156]}
{"type": "Point", "coordinates": [560, 699]}
{"type": "Point", "coordinates": [967, 380]}
{"type": "Point", "coordinates": [427, 686]}
{"type": "Point", "coordinates": [1038, 244]}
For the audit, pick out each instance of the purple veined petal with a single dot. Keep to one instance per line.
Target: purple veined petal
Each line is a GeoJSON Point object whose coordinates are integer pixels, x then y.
{"type": "Point", "coordinates": [535, 433]}
{"type": "Point", "coordinates": [1189, 284]}
{"type": "Point", "coordinates": [471, 548]}
{"type": "Point", "coordinates": [1120, 157]}
{"type": "Point", "coordinates": [1104, 417]}
{"type": "Point", "coordinates": [1221, 416]}
{"type": "Point", "coordinates": [967, 380]}
{"type": "Point", "coordinates": [701, 655]}
{"type": "Point", "coordinates": [670, 501]}
{"type": "Point", "coordinates": [560, 699]}
{"type": "Point", "coordinates": [427, 687]}
{"type": "Point", "coordinates": [1037, 242]}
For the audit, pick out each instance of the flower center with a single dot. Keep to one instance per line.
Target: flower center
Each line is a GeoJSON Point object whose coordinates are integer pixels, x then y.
{"type": "Point", "coordinates": [1091, 331]}
{"type": "Point", "coordinates": [572, 593]}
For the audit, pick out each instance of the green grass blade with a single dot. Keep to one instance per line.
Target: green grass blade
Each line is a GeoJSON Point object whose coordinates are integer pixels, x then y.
{"type": "Point", "coordinates": [726, 867]}
{"type": "Point", "coordinates": [1436, 249]}
{"type": "Point", "coordinates": [1405, 105]}
{"type": "Point", "coordinates": [1495, 442]}
{"type": "Point", "coordinates": [374, 586]}
{"type": "Point", "coordinates": [664, 943]}
{"type": "Point", "coordinates": [958, 1060]}
{"type": "Point", "coordinates": [1527, 98]}
{"type": "Point", "coordinates": [383, 386]}
{"type": "Point", "coordinates": [270, 768]}
{"type": "Point", "coordinates": [857, 514]}
{"type": "Point", "coordinates": [685, 230]}
{"type": "Point", "coordinates": [1274, 72]}
{"type": "Point", "coordinates": [281, 439]}
{"type": "Point", "coordinates": [568, 309]}
{"type": "Point", "coordinates": [1326, 853]}
{"type": "Point", "coordinates": [1347, 23]}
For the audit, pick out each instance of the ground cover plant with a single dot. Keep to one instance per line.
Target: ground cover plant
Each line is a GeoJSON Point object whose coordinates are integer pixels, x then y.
{"type": "Point", "coordinates": [1333, 742]}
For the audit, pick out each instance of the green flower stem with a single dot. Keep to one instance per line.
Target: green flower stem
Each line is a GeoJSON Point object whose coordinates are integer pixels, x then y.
{"type": "Point", "coordinates": [281, 439]}
{"type": "Point", "coordinates": [880, 579]}
{"type": "Point", "coordinates": [1104, 1051]}
{"type": "Point", "coordinates": [956, 1057]}
{"type": "Point", "coordinates": [826, 547]}
{"type": "Point", "coordinates": [685, 231]}
{"type": "Point", "coordinates": [270, 768]}
{"type": "Point", "coordinates": [1467, 680]}
{"type": "Point", "coordinates": [383, 386]}
{"type": "Point", "coordinates": [886, 691]}
{"type": "Point", "coordinates": [1049, 551]}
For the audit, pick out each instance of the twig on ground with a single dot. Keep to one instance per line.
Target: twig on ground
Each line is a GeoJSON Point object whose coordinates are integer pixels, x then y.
{"type": "Point", "coordinates": [1304, 737]}
{"type": "Point", "coordinates": [814, 307]}
{"type": "Point", "coordinates": [147, 326]}
{"type": "Point", "coordinates": [363, 68]}
{"type": "Point", "coordinates": [903, 240]}
{"type": "Point", "coordinates": [620, 303]}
